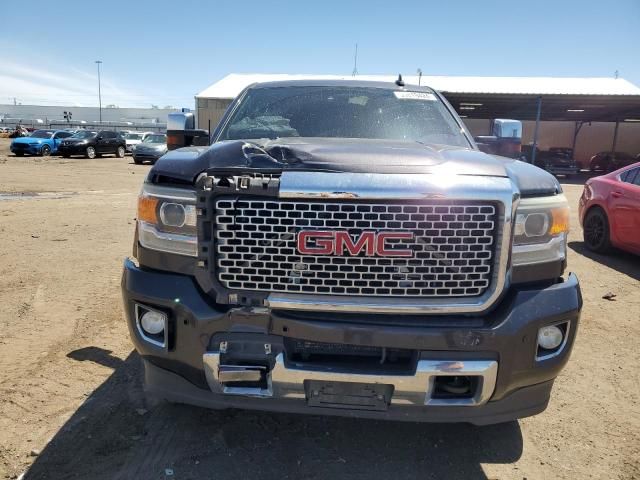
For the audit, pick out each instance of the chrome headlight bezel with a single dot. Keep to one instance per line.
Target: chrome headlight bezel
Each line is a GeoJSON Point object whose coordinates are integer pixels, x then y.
{"type": "Point", "coordinates": [156, 231]}
{"type": "Point", "coordinates": [541, 226]}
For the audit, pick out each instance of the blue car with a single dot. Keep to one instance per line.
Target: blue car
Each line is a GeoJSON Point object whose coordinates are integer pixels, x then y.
{"type": "Point", "coordinates": [40, 142]}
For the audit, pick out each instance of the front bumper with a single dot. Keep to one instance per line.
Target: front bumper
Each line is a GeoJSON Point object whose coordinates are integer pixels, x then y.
{"type": "Point", "coordinates": [74, 149]}
{"type": "Point", "coordinates": [26, 149]}
{"type": "Point", "coordinates": [147, 155]}
{"type": "Point", "coordinates": [502, 344]}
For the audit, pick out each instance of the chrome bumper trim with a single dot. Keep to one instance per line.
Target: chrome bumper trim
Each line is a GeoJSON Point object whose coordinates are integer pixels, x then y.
{"type": "Point", "coordinates": [287, 382]}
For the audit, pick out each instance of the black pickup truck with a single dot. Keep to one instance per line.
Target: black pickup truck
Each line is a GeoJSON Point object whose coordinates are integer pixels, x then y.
{"type": "Point", "coordinates": [344, 248]}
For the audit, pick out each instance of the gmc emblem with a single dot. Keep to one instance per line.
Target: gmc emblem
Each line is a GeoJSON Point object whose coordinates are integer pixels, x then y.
{"type": "Point", "coordinates": [336, 242]}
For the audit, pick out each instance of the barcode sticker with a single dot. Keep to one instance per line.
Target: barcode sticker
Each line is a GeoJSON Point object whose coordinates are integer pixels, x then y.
{"type": "Point", "coordinates": [415, 96]}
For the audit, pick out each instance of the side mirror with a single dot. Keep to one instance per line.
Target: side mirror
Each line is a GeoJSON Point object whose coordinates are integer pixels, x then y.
{"type": "Point", "coordinates": [506, 128]}
{"type": "Point", "coordinates": [187, 138]}
{"type": "Point", "coordinates": [181, 131]}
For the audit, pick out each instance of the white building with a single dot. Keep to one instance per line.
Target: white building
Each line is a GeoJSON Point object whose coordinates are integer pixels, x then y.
{"type": "Point", "coordinates": [29, 114]}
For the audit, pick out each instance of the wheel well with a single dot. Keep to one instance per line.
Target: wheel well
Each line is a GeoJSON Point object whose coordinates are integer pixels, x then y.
{"type": "Point", "coordinates": [596, 207]}
{"type": "Point", "coordinates": [604, 212]}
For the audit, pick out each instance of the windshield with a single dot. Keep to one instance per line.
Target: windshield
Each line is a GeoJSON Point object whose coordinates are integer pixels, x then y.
{"type": "Point", "coordinates": [83, 134]}
{"type": "Point", "coordinates": [343, 112]}
{"type": "Point", "coordinates": [155, 139]}
{"type": "Point", "coordinates": [133, 136]}
{"type": "Point", "coordinates": [41, 134]}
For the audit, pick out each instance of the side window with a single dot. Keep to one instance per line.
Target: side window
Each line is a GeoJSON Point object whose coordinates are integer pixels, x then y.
{"type": "Point", "coordinates": [63, 134]}
{"type": "Point", "coordinates": [108, 135]}
{"type": "Point", "coordinates": [631, 176]}
{"type": "Point", "coordinates": [625, 175]}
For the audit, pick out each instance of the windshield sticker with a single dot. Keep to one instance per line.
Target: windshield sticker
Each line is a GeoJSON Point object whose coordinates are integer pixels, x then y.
{"type": "Point", "coordinates": [415, 96]}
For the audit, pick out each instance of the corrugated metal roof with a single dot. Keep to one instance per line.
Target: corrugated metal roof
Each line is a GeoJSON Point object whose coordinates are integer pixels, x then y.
{"type": "Point", "coordinates": [231, 85]}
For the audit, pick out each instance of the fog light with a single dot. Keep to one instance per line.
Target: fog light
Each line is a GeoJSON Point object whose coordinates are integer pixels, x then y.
{"type": "Point", "coordinates": [153, 322]}
{"type": "Point", "coordinates": [550, 337]}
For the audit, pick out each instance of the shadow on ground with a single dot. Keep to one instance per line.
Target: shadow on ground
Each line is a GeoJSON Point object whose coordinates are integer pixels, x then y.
{"type": "Point", "coordinates": [620, 261]}
{"type": "Point", "coordinates": [112, 436]}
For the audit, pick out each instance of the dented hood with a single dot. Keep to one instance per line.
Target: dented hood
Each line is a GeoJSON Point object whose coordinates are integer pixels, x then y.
{"type": "Point", "coordinates": [350, 155]}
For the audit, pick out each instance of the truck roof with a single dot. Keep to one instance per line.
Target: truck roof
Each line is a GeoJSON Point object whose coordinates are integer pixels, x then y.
{"type": "Point", "coordinates": [339, 83]}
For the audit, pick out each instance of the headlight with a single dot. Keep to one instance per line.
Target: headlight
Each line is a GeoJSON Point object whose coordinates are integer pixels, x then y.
{"type": "Point", "coordinates": [167, 219]}
{"type": "Point", "coordinates": [540, 230]}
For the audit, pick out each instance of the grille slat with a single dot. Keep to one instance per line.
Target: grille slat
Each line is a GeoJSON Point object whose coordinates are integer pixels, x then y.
{"type": "Point", "coordinates": [453, 248]}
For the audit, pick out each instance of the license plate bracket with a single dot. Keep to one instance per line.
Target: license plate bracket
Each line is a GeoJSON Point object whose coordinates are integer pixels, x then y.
{"type": "Point", "coordinates": [348, 395]}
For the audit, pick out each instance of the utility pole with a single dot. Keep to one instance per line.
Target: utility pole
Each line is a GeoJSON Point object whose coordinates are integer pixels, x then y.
{"type": "Point", "coordinates": [419, 76]}
{"type": "Point", "coordinates": [355, 63]}
{"type": "Point", "coordinates": [98, 62]}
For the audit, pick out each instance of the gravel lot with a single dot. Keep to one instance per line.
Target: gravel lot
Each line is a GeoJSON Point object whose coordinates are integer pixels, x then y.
{"type": "Point", "coordinates": [71, 399]}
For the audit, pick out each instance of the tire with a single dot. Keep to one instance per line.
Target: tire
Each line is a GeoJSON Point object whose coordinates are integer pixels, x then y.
{"type": "Point", "coordinates": [66, 155]}
{"type": "Point", "coordinates": [120, 152]}
{"type": "Point", "coordinates": [19, 154]}
{"type": "Point", "coordinates": [137, 161]}
{"type": "Point", "coordinates": [596, 231]}
{"type": "Point", "coordinates": [90, 152]}
{"type": "Point", "coordinates": [45, 151]}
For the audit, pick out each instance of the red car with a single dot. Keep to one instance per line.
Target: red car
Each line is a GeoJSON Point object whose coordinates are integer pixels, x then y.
{"type": "Point", "coordinates": [610, 210]}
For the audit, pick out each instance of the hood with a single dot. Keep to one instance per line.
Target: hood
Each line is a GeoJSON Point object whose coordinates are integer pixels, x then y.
{"type": "Point", "coordinates": [351, 155]}
{"type": "Point", "coordinates": [77, 140]}
{"type": "Point", "coordinates": [29, 140]}
{"type": "Point", "coordinates": [152, 146]}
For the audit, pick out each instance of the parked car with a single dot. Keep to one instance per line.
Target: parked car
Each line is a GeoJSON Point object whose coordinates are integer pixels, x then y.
{"type": "Point", "coordinates": [556, 160]}
{"type": "Point", "coordinates": [151, 148]}
{"type": "Point", "coordinates": [93, 144]}
{"type": "Point", "coordinates": [20, 131]}
{"type": "Point", "coordinates": [40, 142]}
{"type": "Point", "coordinates": [134, 138]}
{"type": "Point", "coordinates": [559, 161]}
{"type": "Point", "coordinates": [610, 210]}
{"type": "Point", "coordinates": [610, 161]}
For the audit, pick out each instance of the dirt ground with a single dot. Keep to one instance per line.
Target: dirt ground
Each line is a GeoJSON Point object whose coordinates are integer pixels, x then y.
{"type": "Point", "coordinates": [72, 406]}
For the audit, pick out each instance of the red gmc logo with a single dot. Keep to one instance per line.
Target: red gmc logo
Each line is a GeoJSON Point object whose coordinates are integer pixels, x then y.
{"type": "Point", "coordinates": [337, 242]}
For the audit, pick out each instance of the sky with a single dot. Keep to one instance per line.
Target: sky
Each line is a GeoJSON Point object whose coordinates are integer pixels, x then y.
{"type": "Point", "coordinates": [163, 53]}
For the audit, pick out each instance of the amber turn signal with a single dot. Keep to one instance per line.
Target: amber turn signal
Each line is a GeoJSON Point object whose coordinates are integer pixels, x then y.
{"type": "Point", "coordinates": [559, 221]}
{"type": "Point", "coordinates": [148, 209]}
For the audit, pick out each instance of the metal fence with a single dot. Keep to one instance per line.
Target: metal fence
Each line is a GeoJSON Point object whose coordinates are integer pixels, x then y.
{"type": "Point", "coordinates": [62, 125]}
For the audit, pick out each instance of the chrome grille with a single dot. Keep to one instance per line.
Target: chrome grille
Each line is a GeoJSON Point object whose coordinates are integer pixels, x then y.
{"type": "Point", "coordinates": [453, 247]}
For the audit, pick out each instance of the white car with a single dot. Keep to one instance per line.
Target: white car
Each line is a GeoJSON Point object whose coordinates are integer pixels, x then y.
{"type": "Point", "coordinates": [134, 138]}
